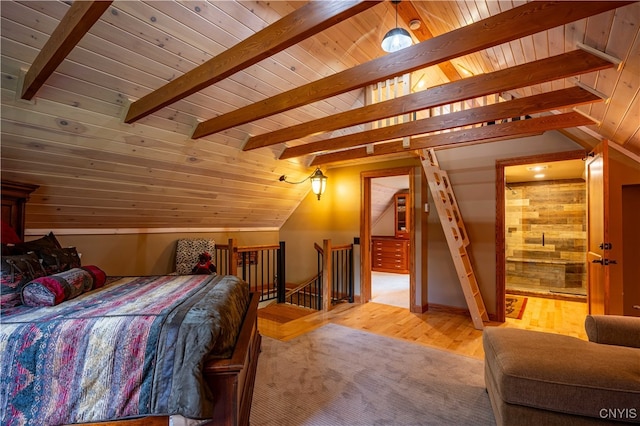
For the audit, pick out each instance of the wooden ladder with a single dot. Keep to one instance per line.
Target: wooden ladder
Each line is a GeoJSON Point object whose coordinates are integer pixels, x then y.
{"type": "Point", "coordinates": [456, 235]}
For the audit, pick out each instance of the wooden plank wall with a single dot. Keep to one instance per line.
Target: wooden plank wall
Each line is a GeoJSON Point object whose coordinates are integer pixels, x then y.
{"type": "Point", "coordinates": [94, 171]}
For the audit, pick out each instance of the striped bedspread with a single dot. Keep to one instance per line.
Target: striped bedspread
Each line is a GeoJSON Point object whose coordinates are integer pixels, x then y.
{"type": "Point", "coordinates": [134, 347]}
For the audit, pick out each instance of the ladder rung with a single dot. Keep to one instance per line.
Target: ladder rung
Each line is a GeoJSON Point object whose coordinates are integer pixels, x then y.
{"type": "Point", "coordinates": [456, 214]}
{"type": "Point", "coordinates": [456, 235]}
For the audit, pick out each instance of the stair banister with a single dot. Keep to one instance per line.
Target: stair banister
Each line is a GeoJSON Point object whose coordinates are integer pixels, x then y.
{"type": "Point", "coordinates": [301, 286]}
{"type": "Point", "coordinates": [233, 255]}
{"type": "Point", "coordinates": [326, 275]}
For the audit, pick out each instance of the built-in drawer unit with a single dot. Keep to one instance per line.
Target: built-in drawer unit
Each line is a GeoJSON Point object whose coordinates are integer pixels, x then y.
{"type": "Point", "coordinates": [390, 254]}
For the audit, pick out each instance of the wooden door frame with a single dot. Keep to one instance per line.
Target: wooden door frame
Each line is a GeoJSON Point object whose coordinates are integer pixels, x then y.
{"type": "Point", "coordinates": [630, 247]}
{"type": "Point", "coordinates": [365, 230]}
{"type": "Point", "coordinates": [501, 290]}
{"type": "Point", "coordinates": [597, 195]}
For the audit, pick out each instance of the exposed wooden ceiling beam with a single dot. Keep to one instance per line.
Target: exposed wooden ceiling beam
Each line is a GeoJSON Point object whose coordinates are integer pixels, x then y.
{"type": "Point", "coordinates": [556, 67]}
{"type": "Point", "coordinates": [408, 12]}
{"type": "Point", "coordinates": [564, 98]}
{"type": "Point", "coordinates": [302, 23]}
{"type": "Point", "coordinates": [74, 25]}
{"type": "Point", "coordinates": [510, 130]}
{"type": "Point", "coordinates": [515, 23]}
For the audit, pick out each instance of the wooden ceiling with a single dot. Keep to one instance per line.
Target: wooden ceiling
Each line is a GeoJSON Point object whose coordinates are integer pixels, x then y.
{"type": "Point", "coordinates": [183, 114]}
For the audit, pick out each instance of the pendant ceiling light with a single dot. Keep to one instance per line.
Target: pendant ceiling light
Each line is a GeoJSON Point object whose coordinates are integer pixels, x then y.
{"type": "Point", "coordinates": [398, 38]}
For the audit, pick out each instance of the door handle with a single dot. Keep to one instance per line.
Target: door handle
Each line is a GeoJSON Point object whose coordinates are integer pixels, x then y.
{"type": "Point", "coordinates": [605, 262]}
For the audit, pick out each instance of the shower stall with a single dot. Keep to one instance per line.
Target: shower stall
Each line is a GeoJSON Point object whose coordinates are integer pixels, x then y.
{"type": "Point", "coordinates": [545, 237]}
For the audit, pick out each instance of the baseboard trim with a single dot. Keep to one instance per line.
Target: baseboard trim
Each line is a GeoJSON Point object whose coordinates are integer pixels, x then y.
{"type": "Point", "coordinates": [435, 307]}
{"type": "Point", "coordinates": [419, 309]}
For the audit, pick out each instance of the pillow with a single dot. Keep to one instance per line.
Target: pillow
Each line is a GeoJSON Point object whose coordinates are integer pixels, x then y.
{"type": "Point", "coordinates": [55, 289]}
{"type": "Point", "coordinates": [54, 258]}
{"type": "Point", "coordinates": [99, 276]}
{"type": "Point", "coordinates": [9, 235]}
{"type": "Point", "coordinates": [48, 241]}
{"type": "Point", "coordinates": [57, 260]}
{"type": "Point", "coordinates": [188, 252]}
{"type": "Point", "coordinates": [16, 271]}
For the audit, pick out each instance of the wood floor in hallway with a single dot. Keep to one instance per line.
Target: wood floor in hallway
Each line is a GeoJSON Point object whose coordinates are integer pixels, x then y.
{"type": "Point", "coordinates": [442, 330]}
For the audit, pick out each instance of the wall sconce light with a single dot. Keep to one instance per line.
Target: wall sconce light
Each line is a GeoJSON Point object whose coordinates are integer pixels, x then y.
{"type": "Point", "coordinates": [318, 182]}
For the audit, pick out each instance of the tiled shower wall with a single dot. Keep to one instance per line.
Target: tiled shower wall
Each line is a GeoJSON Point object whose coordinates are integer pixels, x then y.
{"type": "Point", "coordinates": [557, 211]}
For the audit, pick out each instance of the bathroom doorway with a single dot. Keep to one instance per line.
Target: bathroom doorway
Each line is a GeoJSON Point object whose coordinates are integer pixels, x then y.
{"type": "Point", "coordinates": [542, 226]}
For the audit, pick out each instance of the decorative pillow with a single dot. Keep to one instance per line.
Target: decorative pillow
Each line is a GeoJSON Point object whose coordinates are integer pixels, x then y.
{"type": "Point", "coordinates": [188, 253]}
{"type": "Point", "coordinates": [57, 260]}
{"type": "Point", "coordinates": [204, 265]}
{"type": "Point", "coordinates": [47, 242]}
{"type": "Point", "coordinates": [99, 276]}
{"type": "Point", "coordinates": [17, 270]}
{"type": "Point", "coordinates": [8, 234]}
{"type": "Point", "coordinates": [55, 289]}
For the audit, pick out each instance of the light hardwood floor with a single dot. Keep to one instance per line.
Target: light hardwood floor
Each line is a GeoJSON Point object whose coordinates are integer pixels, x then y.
{"type": "Point", "coordinates": [442, 330]}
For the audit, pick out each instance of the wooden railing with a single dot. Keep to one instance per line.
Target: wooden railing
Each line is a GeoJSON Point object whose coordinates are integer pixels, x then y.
{"type": "Point", "coordinates": [306, 294]}
{"type": "Point", "coordinates": [262, 266]}
{"type": "Point", "coordinates": [342, 273]}
{"type": "Point", "coordinates": [402, 85]}
{"type": "Point", "coordinates": [332, 284]}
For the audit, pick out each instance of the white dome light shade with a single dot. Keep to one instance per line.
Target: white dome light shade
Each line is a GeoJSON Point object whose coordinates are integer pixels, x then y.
{"type": "Point", "coordinates": [396, 39]}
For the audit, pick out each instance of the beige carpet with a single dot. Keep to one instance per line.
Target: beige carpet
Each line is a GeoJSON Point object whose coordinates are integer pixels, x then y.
{"type": "Point", "coordinates": [390, 289]}
{"type": "Point", "coordinates": [340, 376]}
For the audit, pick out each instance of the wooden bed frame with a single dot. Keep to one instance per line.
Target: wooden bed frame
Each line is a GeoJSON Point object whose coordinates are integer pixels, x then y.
{"type": "Point", "coordinates": [231, 379]}
{"type": "Point", "coordinates": [14, 199]}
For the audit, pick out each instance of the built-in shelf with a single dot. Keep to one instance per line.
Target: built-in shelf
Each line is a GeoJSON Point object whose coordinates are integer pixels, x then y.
{"type": "Point", "coordinates": [401, 206]}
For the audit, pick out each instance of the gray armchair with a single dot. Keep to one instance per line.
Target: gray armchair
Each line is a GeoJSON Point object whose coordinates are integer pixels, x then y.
{"type": "Point", "coordinates": [536, 378]}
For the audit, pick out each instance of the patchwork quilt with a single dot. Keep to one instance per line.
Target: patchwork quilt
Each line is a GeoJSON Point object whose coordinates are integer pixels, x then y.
{"type": "Point", "coordinates": [135, 347]}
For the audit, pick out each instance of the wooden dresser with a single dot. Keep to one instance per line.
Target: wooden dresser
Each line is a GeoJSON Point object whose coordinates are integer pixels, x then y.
{"type": "Point", "coordinates": [389, 254]}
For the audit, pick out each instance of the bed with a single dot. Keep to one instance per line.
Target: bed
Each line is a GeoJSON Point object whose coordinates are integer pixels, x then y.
{"type": "Point", "coordinates": [151, 347]}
